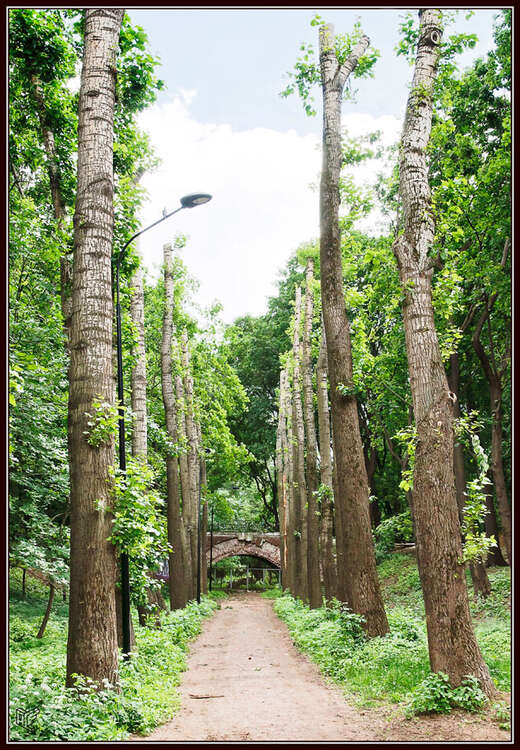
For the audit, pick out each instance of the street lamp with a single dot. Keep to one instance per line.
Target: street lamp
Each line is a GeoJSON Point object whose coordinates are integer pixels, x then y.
{"type": "Point", "coordinates": [188, 201]}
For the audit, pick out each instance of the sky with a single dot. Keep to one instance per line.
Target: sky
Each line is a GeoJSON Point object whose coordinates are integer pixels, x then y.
{"type": "Point", "coordinates": [221, 127]}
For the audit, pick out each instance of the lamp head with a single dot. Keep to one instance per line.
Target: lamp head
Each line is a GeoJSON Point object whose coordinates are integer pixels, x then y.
{"type": "Point", "coordinates": [195, 199]}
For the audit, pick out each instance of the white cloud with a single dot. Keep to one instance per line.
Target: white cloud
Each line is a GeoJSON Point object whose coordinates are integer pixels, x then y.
{"type": "Point", "coordinates": [262, 206]}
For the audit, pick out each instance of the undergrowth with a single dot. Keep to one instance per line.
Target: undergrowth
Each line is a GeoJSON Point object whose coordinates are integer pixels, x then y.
{"type": "Point", "coordinates": [395, 668]}
{"type": "Point", "coordinates": [43, 709]}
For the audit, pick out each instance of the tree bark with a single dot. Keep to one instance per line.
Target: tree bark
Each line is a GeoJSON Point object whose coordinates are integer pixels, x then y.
{"type": "Point", "coordinates": [313, 552]}
{"type": "Point", "coordinates": [179, 558]}
{"type": "Point", "coordinates": [47, 614]}
{"type": "Point", "coordinates": [92, 635]}
{"type": "Point", "coordinates": [300, 489]}
{"type": "Point", "coordinates": [452, 644]}
{"type": "Point", "coordinates": [291, 493]}
{"type": "Point", "coordinates": [138, 378]}
{"type": "Point", "coordinates": [281, 475]}
{"type": "Point", "coordinates": [191, 503]}
{"type": "Point", "coordinates": [490, 522]}
{"type": "Point", "coordinates": [328, 560]}
{"type": "Point", "coordinates": [351, 501]}
{"type": "Point", "coordinates": [494, 378]}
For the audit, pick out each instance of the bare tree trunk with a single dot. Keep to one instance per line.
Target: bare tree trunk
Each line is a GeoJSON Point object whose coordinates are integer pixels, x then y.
{"type": "Point", "coordinates": [313, 553]}
{"type": "Point", "coordinates": [204, 527]}
{"type": "Point", "coordinates": [47, 614]}
{"type": "Point", "coordinates": [300, 494]}
{"type": "Point", "coordinates": [190, 508]}
{"type": "Point", "coordinates": [351, 501]}
{"type": "Point", "coordinates": [490, 522]}
{"type": "Point", "coordinates": [479, 577]}
{"type": "Point", "coordinates": [451, 640]}
{"type": "Point", "coordinates": [282, 474]}
{"type": "Point", "coordinates": [138, 379]}
{"type": "Point", "coordinates": [494, 376]}
{"type": "Point", "coordinates": [24, 572]}
{"type": "Point", "coordinates": [179, 567]}
{"type": "Point", "coordinates": [92, 635]}
{"type": "Point", "coordinates": [291, 493]}
{"type": "Point", "coordinates": [184, 476]}
{"type": "Point", "coordinates": [327, 514]}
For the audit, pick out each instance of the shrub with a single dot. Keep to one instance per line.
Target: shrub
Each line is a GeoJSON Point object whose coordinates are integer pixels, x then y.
{"type": "Point", "coordinates": [391, 530]}
{"type": "Point", "coordinates": [435, 695]}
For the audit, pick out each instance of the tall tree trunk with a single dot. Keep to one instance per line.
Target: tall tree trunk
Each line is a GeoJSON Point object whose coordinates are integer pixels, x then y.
{"type": "Point", "coordinates": [138, 379]}
{"type": "Point", "coordinates": [92, 635]}
{"type": "Point", "coordinates": [282, 474]}
{"type": "Point", "coordinates": [190, 508]}
{"type": "Point", "coordinates": [313, 552]}
{"type": "Point", "coordinates": [479, 577]}
{"type": "Point", "coordinates": [204, 527]}
{"type": "Point", "coordinates": [179, 558]}
{"type": "Point", "coordinates": [328, 560]}
{"type": "Point", "coordinates": [291, 493]}
{"type": "Point", "coordinates": [490, 522]}
{"type": "Point", "coordinates": [204, 510]}
{"type": "Point", "coordinates": [300, 495]}
{"type": "Point", "coordinates": [48, 609]}
{"type": "Point", "coordinates": [451, 640]}
{"type": "Point", "coordinates": [351, 501]}
{"type": "Point", "coordinates": [494, 375]}
{"type": "Point", "coordinates": [138, 400]}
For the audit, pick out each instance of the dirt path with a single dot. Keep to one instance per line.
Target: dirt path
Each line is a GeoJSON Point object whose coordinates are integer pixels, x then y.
{"type": "Point", "coordinates": [262, 688]}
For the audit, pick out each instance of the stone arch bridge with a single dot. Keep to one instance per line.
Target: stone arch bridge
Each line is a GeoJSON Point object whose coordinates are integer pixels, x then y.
{"type": "Point", "coordinates": [230, 543]}
{"type": "Point", "coordinates": [253, 543]}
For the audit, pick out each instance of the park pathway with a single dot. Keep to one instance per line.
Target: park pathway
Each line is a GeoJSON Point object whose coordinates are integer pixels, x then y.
{"type": "Point", "coordinates": [247, 682]}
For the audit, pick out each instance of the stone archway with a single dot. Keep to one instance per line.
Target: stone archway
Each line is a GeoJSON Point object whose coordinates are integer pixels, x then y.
{"type": "Point", "coordinates": [255, 548]}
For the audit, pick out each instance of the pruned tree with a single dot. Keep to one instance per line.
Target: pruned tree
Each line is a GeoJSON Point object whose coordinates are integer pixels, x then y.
{"type": "Point", "coordinates": [311, 444]}
{"type": "Point", "coordinates": [180, 556]}
{"type": "Point", "coordinates": [92, 636]}
{"type": "Point", "coordinates": [351, 501]}
{"type": "Point", "coordinates": [327, 558]}
{"type": "Point", "coordinates": [298, 437]}
{"type": "Point", "coordinates": [452, 644]}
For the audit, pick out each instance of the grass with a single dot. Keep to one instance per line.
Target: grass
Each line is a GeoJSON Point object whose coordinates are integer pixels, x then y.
{"type": "Point", "coordinates": [148, 682]}
{"type": "Point", "coordinates": [391, 669]}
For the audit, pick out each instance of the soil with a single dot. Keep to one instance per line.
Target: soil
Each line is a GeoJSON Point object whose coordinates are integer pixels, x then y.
{"type": "Point", "coordinates": [247, 682]}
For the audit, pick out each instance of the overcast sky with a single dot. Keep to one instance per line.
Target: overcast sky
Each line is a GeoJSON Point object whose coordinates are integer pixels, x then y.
{"type": "Point", "coordinates": [221, 127]}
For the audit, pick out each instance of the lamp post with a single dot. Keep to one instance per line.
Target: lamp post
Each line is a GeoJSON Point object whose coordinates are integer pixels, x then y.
{"type": "Point", "coordinates": [211, 552]}
{"type": "Point", "coordinates": [188, 201]}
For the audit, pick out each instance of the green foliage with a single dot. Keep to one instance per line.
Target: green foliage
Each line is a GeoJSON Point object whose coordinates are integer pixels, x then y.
{"type": "Point", "coordinates": [139, 527]}
{"type": "Point", "coordinates": [476, 543]}
{"type": "Point", "coordinates": [148, 682]}
{"type": "Point", "coordinates": [392, 668]}
{"type": "Point", "coordinates": [103, 423]}
{"type": "Point", "coordinates": [391, 530]}
{"type": "Point", "coordinates": [435, 695]}
{"type": "Point", "coordinates": [502, 714]}
{"type": "Point", "coordinates": [306, 74]}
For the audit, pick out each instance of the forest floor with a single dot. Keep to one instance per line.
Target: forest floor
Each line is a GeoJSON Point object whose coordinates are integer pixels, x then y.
{"type": "Point", "coordinates": [246, 681]}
